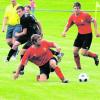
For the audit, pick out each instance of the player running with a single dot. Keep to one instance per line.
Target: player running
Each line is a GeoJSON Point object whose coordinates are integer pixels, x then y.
{"type": "Point", "coordinates": [84, 38]}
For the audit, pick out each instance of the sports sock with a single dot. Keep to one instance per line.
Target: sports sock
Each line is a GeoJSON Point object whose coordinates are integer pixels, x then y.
{"type": "Point", "coordinates": [59, 73]}
{"type": "Point", "coordinates": [11, 52]}
{"type": "Point", "coordinates": [90, 54]}
{"type": "Point", "coordinates": [21, 56]}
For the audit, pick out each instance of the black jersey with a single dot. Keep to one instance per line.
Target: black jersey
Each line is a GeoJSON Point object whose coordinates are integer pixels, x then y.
{"type": "Point", "coordinates": [28, 21]}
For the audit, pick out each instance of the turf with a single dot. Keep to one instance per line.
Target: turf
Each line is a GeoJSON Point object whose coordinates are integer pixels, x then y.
{"type": "Point", "coordinates": [26, 87]}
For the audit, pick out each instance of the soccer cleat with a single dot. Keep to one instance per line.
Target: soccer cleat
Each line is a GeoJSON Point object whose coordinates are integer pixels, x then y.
{"type": "Point", "coordinates": [96, 60]}
{"type": "Point", "coordinates": [6, 60]}
{"type": "Point", "coordinates": [59, 56]}
{"type": "Point", "coordinates": [65, 81]}
{"type": "Point", "coordinates": [78, 68]}
{"type": "Point", "coordinates": [13, 57]}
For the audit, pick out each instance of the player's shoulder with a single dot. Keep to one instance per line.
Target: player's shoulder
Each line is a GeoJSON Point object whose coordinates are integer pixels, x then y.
{"type": "Point", "coordinates": [44, 41]}
{"type": "Point", "coordinates": [85, 13]}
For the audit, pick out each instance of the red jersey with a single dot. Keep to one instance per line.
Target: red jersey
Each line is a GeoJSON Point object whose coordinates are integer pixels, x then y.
{"type": "Point", "coordinates": [38, 55]}
{"type": "Point", "coordinates": [82, 21]}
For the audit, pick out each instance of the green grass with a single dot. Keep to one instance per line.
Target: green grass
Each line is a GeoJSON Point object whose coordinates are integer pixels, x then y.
{"type": "Point", "coordinates": [26, 87]}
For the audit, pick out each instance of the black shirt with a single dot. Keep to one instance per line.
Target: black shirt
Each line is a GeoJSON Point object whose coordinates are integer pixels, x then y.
{"type": "Point", "coordinates": [28, 21]}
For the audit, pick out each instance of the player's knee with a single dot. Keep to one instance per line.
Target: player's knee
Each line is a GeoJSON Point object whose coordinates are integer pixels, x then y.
{"type": "Point", "coordinates": [42, 78]}
{"type": "Point", "coordinates": [83, 53]}
{"type": "Point", "coordinates": [53, 64]}
{"type": "Point", "coordinates": [75, 54]}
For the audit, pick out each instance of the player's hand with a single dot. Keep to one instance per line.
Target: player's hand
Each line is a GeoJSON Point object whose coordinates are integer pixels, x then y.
{"type": "Point", "coordinates": [3, 29]}
{"type": "Point", "coordinates": [97, 35]}
{"type": "Point", "coordinates": [17, 34]}
{"type": "Point", "coordinates": [16, 76]}
{"type": "Point", "coordinates": [63, 34]}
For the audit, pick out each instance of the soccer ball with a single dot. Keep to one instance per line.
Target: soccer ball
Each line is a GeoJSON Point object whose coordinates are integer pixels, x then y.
{"type": "Point", "coordinates": [83, 77]}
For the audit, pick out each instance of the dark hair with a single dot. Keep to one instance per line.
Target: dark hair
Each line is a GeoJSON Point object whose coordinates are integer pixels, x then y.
{"type": "Point", "coordinates": [34, 38]}
{"type": "Point", "coordinates": [77, 4]}
{"type": "Point", "coordinates": [28, 6]}
{"type": "Point", "coordinates": [20, 7]}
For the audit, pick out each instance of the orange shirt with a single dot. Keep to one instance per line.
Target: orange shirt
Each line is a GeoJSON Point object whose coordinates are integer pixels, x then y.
{"type": "Point", "coordinates": [82, 21]}
{"type": "Point", "coordinates": [40, 55]}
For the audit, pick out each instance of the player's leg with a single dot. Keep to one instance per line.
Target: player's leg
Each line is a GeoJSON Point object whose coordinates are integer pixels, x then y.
{"type": "Point", "coordinates": [18, 29]}
{"type": "Point", "coordinates": [44, 72]}
{"type": "Point", "coordinates": [13, 50]}
{"type": "Point", "coordinates": [77, 57]}
{"type": "Point", "coordinates": [53, 64]}
{"type": "Point", "coordinates": [90, 54]}
{"type": "Point", "coordinates": [9, 35]}
{"type": "Point", "coordinates": [77, 45]}
{"type": "Point", "coordinates": [85, 49]}
{"type": "Point", "coordinates": [19, 41]}
{"type": "Point", "coordinates": [42, 77]}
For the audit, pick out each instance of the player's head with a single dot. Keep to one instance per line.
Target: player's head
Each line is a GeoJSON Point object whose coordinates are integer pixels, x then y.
{"type": "Point", "coordinates": [77, 7]}
{"type": "Point", "coordinates": [36, 39]}
{"type": "Point", "coordinates": [13, 2]}
{"type": "Point", "coordinates": [20, 11]}
{"type": "Point", "coordinates": [27, 9]}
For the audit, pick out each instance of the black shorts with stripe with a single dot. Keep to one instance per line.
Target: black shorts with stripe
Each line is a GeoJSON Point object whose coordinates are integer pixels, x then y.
{"type": "Point", "coordinates": [83, 41]}
{"type": "Point", "coordinates": [46, 68]}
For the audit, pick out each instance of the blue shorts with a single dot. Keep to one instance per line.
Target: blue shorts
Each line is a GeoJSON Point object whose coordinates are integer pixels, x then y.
{"type": "Point", "coordinates": [11, 30]}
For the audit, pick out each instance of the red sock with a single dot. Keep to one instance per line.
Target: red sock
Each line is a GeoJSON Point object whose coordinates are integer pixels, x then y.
{"type": "Point", "coordinates": [90, 54]}
{"type": "Point", "coordinates": [59, 73]}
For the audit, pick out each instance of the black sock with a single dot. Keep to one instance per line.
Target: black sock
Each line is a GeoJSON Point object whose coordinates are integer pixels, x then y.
{"type": "Point", "coordinates": [21, 56]}
{"type": "Point", "coordinates": [10, 45]}
{"type": "Point", "coordinates": [11, 52]}
{"type": "Point", "coordinates": [54, 52]}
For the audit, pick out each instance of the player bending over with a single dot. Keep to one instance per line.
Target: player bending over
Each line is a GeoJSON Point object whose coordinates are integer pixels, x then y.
{"type": "Point", "coordinates": [39, 53]}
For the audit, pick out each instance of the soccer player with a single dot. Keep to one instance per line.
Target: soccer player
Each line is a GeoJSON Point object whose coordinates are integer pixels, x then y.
{"type": "Point", "coordinates": [32, 5]}
{"type": "Point", "coordinates": [39, 53]}
{"type": "Point", "coordinates": [12, 20]}
{"type": "Point", "coordinates": [59, 55]}
{"type": "Point", "coordinates": [84, 38]}
{"type": "Point", "coordinates": [29, 27]}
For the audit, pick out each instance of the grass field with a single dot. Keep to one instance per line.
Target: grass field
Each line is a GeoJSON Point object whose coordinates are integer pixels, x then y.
{"type": "Point", "coordinates": [26, 87]}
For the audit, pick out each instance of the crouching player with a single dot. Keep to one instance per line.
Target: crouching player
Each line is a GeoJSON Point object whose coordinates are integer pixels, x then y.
{"type": "Point", "coordinates": [39, 53]}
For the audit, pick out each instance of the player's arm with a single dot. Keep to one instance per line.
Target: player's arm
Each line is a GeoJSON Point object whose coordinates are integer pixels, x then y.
{"type": "Point", "coordinates": [38, 28]}
{"type": "Point", "coordinates": [24, 31]}
{"type": "Point", "coordinates": [4, 24]}
{"type": "Point", "coordinates": [95, 27]}
{"type": "Point", "coordinates": [16, 75]}
{"type": "Point", "coordinates": [22, 63]}
{"type": "Point", "coordinates": [54, 45]}
{"type": "Point", "coordinates": [69, 24]}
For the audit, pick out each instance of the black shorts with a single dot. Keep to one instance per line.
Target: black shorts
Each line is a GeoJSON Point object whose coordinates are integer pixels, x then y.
{"type": "Point", "coordinates": [23, 39]}
{"type": "Point", "coordinates": [27, 45]}
{"type": "Point", "coordinates": [83, 41]}
{"type": "Point", "coordinates": [46, 69]}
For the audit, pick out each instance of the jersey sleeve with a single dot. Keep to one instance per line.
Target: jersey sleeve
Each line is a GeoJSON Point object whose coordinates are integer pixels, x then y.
{"type": "Point", "coordinates": [88, 18]}
{"type": "Point", "coordinates": [70, 22]}
{"type": "Point", "coordinates": [50, 44]}
{"type": "Point", "coordinates": [25, 57]}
